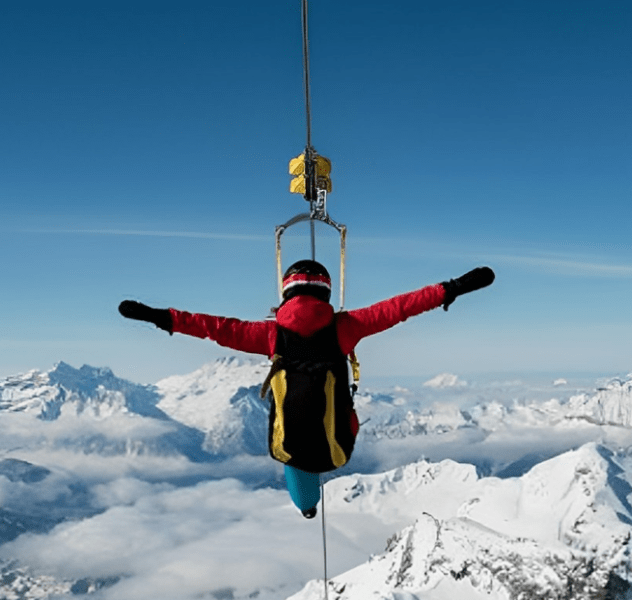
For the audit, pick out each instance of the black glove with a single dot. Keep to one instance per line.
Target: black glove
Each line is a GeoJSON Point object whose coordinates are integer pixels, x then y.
{"type": "Point", "coordinates": [474, 280]}
{"type": "Point", "coordinates": [160, 317]}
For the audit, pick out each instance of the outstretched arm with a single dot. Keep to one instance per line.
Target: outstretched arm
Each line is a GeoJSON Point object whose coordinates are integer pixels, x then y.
{"type": "Point", "coordinates": [360, 323]}
{"type": "Point", "coordinates": [357, 324]}
{"type": "Point", "coordinates": [257, 337]}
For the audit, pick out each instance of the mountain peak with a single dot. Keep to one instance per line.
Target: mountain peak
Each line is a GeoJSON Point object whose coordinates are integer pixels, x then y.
{"type": "Point", "coordinates": [87, 388]}
{"type": "Point", "coordinates": [609, 405]}
{"type": "Point", "coordinates": [221, 399]}
{"type": "Point", "coordinates": [567, 517]}
{"type": "Point", "coordinates": [444, 380]}
{"type": "Point", "coordinates": [85, 379]}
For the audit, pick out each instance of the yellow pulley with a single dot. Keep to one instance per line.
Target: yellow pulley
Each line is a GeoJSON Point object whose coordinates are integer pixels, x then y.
{"type": "Point", "coordinates": [300, 170]}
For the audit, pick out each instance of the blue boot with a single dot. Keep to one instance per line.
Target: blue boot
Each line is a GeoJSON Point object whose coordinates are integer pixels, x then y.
{"type": "Point", "coordinates": [304, 489]}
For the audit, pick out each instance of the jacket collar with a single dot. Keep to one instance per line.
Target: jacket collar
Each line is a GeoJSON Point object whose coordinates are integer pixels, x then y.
{"type": "Point", "coordinates": [305, 314]}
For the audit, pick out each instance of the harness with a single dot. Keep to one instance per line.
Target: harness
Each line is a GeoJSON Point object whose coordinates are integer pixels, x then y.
{"type": "Point", "coordinates": [312, 421]}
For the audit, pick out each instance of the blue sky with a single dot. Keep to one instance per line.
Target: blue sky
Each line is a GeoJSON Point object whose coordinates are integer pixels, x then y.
{"type": "Point", "coordinates": [144, 155]}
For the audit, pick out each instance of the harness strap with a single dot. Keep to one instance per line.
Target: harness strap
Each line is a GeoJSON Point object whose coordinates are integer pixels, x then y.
{"type": "Point", "coordinates": [274, 369]}
{"type": "Point", "coordinates": [279, 364]}
{"type": "Point", "coordinates": [355, 371]}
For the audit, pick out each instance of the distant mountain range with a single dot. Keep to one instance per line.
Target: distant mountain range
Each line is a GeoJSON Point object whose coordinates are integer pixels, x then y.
{"type": "Point", "coordinates": [537, 506]}
{"type": "Point", "coordinates": [216, 411]}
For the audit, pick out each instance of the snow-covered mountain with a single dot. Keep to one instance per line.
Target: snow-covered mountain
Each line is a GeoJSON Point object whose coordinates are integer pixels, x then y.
{"type": "Point", "coordinates": [222, 400]}
{"type": "Point", "coordinates": [93, 390]}
{"type": "Point", "coordinates": [519, 495]}
{"type": "Point", "coordinates": [216, 411]}
{"type": "Point", "coordinates": [561, 531]}
{"type": "Point", "coordinates": [610, 405]}
{"type": "Point", "coordinates": [98, 413]}
{"type": "Point", "coordinates": [391, 416]}
{"type": "Point", "coordinates": [499, 435]}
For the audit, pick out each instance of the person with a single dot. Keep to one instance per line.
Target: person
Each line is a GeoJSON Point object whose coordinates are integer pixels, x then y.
{"type": "Point", "coordinates": [313, 425]}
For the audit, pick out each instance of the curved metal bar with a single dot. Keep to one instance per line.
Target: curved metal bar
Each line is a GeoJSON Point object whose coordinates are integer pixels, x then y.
{"type": "Point", "coordinates": [323, 218]}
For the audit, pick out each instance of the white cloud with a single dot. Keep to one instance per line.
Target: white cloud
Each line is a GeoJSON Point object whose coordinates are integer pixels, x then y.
{"type": "Point", "coordinates": [187, 542]}
{"type": "Point", "coordinates": [166, 542]}
{"type": "Point", "coordinates": [574, 264]}
{"type": "Point", "coordinates": [159, 233]}
{"type": "Point", "coordinates": [584, 267]}
{"type": "Point", "coordinates": [571, 263]}
{"type": "Point", "coordinates": [20, 427]}
{"type": "Point", "coordinates": [125, 491]}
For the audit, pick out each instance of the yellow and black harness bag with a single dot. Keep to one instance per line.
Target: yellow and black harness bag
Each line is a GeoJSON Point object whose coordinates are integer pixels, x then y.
{"type": "Point", "coordinates": [312, 421]}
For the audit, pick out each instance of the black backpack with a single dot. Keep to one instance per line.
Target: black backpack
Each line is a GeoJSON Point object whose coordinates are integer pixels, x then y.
{"type": "Point", "coordinates": [312, 421]}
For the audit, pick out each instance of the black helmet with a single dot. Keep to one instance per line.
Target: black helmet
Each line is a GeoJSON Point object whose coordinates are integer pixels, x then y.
{"type": "Point", "coordinates": [307, 277]}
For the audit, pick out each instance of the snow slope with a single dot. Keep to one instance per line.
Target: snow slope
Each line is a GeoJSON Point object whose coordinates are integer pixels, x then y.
{"type": "Point", "coordinates": [216, 412]}
{"type": "Point", "coordinates": [114, 489]}
{"type": "Point", "coordinates": [222, 400]}
{"type": "Point", "coordinates": [562, 530]}
{"type": "Point", "coordinates": [93, 411]}
{"type": "Point", "coordinates": [610, 405]}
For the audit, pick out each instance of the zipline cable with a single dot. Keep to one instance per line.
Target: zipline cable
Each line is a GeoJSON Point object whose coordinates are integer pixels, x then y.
{"type": "Point", "coordinates": [311, 180]}
{"type": "Point", "coordinates": [309, 163]}
{"type": "Point", "coordinates": [322, 495]}
{"type": "Point", "coordinates": [311, 194]}
{"type": "Point", "coordinates": [308, 108]}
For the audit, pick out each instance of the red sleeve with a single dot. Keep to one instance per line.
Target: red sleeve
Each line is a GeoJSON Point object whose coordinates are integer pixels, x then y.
{"type": "Point", "coordinates": [357, 324]}
{"type": "Point", "coordinates": [257, 337]}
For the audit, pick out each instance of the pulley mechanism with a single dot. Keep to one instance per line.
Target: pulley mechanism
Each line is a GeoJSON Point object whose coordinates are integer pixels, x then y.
{"type": "Point", "coordinates": [311, 178]}
{"type": "Point", "coordinates": [311, 173]}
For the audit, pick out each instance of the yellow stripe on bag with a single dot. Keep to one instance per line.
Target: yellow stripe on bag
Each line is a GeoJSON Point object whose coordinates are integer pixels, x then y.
{"type": "Point", "coordinates": [338, 457]}
{"type": "Point", "coordinates": [279, 390]}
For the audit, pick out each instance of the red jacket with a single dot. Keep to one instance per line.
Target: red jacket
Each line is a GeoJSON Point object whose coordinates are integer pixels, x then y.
{"type": "Point", "coordinates": [306, 315]}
